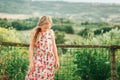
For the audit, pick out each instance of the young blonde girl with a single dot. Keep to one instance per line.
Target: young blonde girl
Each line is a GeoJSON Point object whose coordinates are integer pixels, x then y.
{"type": "Point", "coordinates": [43, 57]}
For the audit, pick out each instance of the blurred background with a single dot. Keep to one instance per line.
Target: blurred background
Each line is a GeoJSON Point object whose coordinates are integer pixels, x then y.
{"type": "Point", "coordinates": [78, 22]}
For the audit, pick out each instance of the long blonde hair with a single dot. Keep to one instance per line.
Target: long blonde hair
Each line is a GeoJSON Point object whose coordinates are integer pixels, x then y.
{"type": "Point", "coordinates": [34, 35]}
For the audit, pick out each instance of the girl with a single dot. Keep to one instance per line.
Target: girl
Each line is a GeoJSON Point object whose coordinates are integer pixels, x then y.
{"type": "Point", "coordinates": [45, 60]}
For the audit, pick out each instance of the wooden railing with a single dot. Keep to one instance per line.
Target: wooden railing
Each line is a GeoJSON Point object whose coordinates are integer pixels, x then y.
{"type": "Point", "coordinates": [112, 48]}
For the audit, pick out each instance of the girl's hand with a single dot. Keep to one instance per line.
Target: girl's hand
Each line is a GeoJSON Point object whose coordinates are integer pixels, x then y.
{"type": "Point", "coordinates": [32, 67]}
{"type": "Point", "coordinates": [57, 65]}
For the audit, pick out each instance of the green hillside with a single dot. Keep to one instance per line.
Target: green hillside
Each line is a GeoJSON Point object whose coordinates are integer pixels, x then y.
{"type": "Point", "coordinates": [75, 11]}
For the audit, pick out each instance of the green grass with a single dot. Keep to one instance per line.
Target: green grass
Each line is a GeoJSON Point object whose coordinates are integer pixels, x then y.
{"type": "Point", "coordinates": [72, 37]}
{"type": "Point", "coordinates": [69, 37]}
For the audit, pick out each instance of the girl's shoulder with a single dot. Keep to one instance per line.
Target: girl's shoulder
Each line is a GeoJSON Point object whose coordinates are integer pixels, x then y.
{"type": "Point", "coordinates": [51, 31]}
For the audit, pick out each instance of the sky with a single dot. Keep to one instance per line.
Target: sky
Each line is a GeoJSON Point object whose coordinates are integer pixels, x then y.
{"type": "Point", "coordinates": [100, 1]}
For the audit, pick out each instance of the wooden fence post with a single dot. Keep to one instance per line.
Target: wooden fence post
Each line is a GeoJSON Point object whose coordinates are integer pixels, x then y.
{"type": "Point", "coordinates": [113, 64]}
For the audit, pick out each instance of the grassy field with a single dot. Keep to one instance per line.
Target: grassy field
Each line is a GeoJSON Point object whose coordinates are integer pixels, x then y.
{"type": "Point", "coordinates": [69, 37]}
{"type": "Point", "coordinates": [14, 16]}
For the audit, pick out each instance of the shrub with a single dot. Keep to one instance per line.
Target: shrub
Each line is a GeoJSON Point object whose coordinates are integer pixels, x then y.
{"type": "Point", "coordinates": [85, 32]}
{"type": "Point", "coordinates": [5, 23]}
{"type": "Point", "coordinates": [19, 24]}
{"type": "Point", "coordinates": [64, 28]}
{"type": "Point", "coordinates": [62, 21]}
{"type": "Point", "coordinates": [69, 29]}
{"type": "Point", "coordinates": [94, 24]}
{"type": "Point", "coordinates": [102, 30]}
{"type": "Point", "coordinates": [92, 64]}
{"type": "Point", "coordinates": [24, 24]}
{"type": "Point", "coordinates": [9, 35]}
{"type": "Point", "coordinates": [60, 39]}
{"type": "Point", "coordinates": [15, 64]}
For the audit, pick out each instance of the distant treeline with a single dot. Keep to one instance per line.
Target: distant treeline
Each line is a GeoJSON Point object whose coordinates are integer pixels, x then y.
{"type": "Point", "coordinates": [60, 24]}
{"type": "Point", "coordinates": [96, 28]}
{"type": "Point", "coordinates": [19, 24]}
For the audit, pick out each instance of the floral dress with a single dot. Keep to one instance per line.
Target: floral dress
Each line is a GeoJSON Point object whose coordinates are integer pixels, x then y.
{"type": "Point", "coordinates": [43, 59]}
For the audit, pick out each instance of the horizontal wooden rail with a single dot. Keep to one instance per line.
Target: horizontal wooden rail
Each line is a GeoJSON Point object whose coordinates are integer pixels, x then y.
{"type": "Point", "coordinates": [14, 44]}
{"type": "Point", "coordinates": [63, 45]}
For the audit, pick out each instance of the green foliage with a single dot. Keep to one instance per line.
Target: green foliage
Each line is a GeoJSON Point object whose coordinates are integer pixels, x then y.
{"type": "Point", "coordinates": [63, 24]}
{"type": "Point", "coordinates": [116, 26]}
{"type": "Point", "coordinates": [12, 35]}
{"type": "Point", "coordinates": [25, 24]}
{"type": "Point", "coordinates": [67, 29]}
{"type": "Point", "coordinates": [90, 64]}
{"type": "Point", "coordinates": [110, 38]}
{"type": "Point", "coordinates": [14, 64]}
{"type": "Point", "coordinates": [66, 67]}
{"type": "Point", "coordinates": [102, 30]}
{"type": "Point", "coordinates": [95, 24]}
{"type": "Point", "coordinates": [5, 23]}
{"type": "Point", "coordinates": [57, 27]}
{"type": "Point", "coordinates": [60, 39]}
{"type": "Point", "coordinates": [62, 21]}
{"type": "Point", "coordinates": [30, 23]}
{"type": "Point", "coordinates": [85, 32]}
{"type": "Point", "coordinates": [19, 24]}
{"type": "Point", "coordinates": [9, 35]}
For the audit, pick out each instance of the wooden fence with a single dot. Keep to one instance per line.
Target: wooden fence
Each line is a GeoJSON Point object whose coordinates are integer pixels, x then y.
{"type": "Point", "coordinates": [112, 48]}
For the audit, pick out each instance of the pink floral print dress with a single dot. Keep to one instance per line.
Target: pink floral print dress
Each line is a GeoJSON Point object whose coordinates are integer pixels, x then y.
{"type": "Point", "coordinates": [43, 59]}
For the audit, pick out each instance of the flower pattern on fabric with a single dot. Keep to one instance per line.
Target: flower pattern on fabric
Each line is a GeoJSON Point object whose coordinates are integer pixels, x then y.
{"type": "Point", "coordinates": [43, 59]}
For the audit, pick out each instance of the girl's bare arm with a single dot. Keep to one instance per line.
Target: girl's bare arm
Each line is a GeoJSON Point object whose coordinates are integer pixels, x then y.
{"type": "Point", "coordinates": [31, 49]}
{"type": "Point", "coordinates": [54, 47]}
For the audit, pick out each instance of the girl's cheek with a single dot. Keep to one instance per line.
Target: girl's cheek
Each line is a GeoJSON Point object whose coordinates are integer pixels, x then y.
{"type": "Point", "coordinates": [44, 30]}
